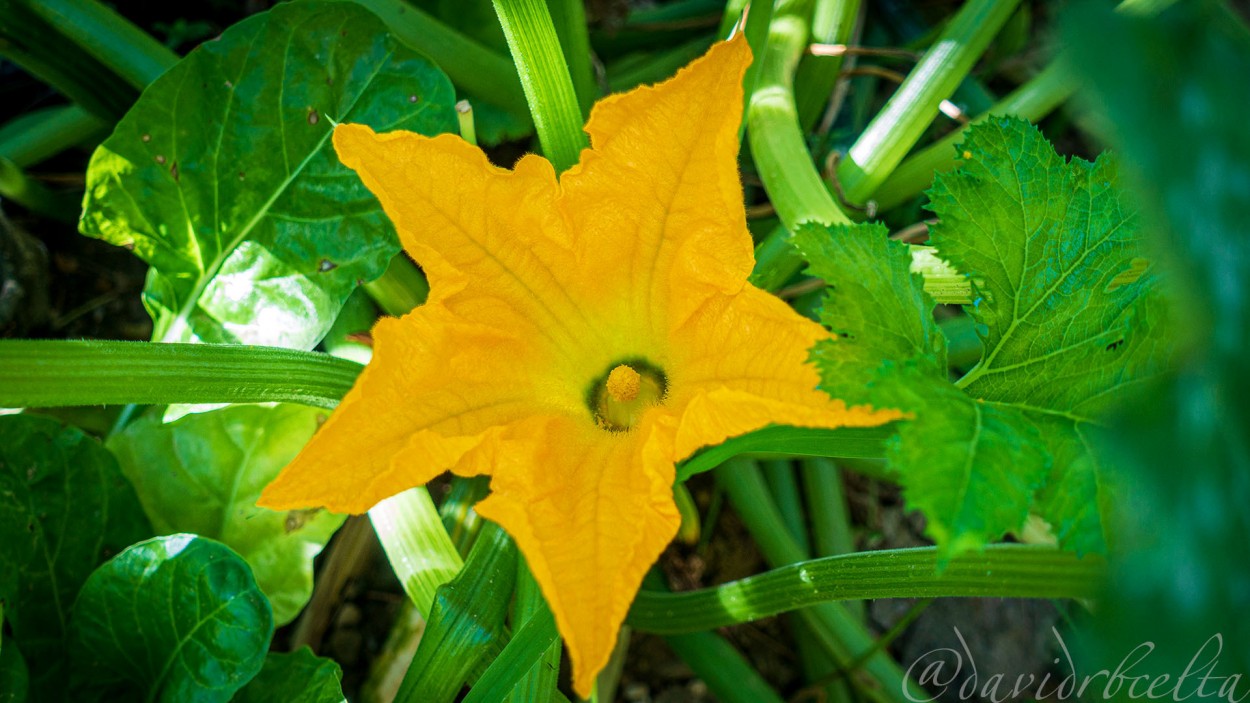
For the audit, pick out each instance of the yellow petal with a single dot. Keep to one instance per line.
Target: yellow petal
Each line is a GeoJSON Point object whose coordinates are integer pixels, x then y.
{"type": "Point", "coordinates": [591, 510]}
{"type": "Point", "coordinates": [435, 385]}
{"type": "Point", "coordinates": [741, 364]}
{"type": "Point", "coordinates": [492, 241]}
{"type": "Point", "coordinates": [658, 198]}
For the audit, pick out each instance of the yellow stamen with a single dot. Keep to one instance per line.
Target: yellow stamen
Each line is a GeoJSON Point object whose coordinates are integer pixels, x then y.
{"type": "Point", "coordinates": [624, 383]}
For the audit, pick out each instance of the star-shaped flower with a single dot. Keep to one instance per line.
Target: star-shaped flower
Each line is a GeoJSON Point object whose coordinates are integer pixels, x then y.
{"type": "Point", "coordinates": [583, 333]}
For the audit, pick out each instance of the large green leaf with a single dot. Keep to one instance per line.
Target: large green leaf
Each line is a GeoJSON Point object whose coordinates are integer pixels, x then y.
{"type": "Point", "coordinates": [64, 508]}
{"type": "Point", "coordinates": [973, 467]}
{"type": "Point", "coordinates": [176, 619]}
{"type": "Point", "coordinates": [1068, 306]}
{"type": "Point", "coordinates": [223, 177]}
{"type": "Point", "coordinates": [1068, 313]}
{"type": "Point", "coordinates": [298, 677]}
{"type": "Point", "coordinates": [203, 473]}
{"type": "Point", "coordinates": [1057, 262]}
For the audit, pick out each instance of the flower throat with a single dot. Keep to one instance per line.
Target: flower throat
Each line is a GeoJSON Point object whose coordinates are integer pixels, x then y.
{"type": "Point", "coordinates": [619, 399]}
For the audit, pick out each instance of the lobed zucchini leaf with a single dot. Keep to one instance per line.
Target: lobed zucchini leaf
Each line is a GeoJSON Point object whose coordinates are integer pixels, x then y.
{"type": "Point", "coordinates": [1069, 315]}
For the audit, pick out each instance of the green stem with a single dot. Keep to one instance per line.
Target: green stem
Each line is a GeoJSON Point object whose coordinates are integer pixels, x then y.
{"type": "Point", "coordinates": [416, 544]}
{"type": "Point", "coordinates": [727, 673]}
{"type": "Point", "coordinates": [1034, 100]}
{"type": "Point", "coordinates": [400, 288]}
{"type": "Point", "coordinates": [776, 260]}
{"type": "Point", "coordinates": [845, 442]}
{"type": "Point", "coordinates": [914, 105]}
{"type": "Point", "coordinates": [831, 520]}
{"type": "Point", "coordinates": [569, 19]}
{"type": "Point", "coordinates": [609, 679]}
{"type": "Point", "coordinates": [830, 515]}
{"type": "Point", "coordinates": [461, 522]}
{"type": "Point", "coordinates": [963, 345]}
{"type": "Point", "coordinates": [42, 134]}
{"type": "Point", "coordinates": [688, 532]}
{"type": "Point", "coordinates": [755, 29]}
{"type": "Point", "coordinates": [527, 648]}
{"type": "Point", "coordinates": [832, 23]}
{"type": "Point", "coordinates": [794, 185]}
{"type": "Point", "coordinates": [941, 281]}
{"type": "Point", "coordinates": [37, 47]}
{"type": "Point", "coordinates": [844, 637]}
{"type": "Point", "coordinates": [635, 71]}
{"type": "Point", "coordinates": [113, 40]}
{"type": "Point", "coordinates": [783, 485]}
{"type": "Point", "coordinates": [62, 372]}
{"type": "Point", "coordinates": [999, 571]}
{"type": "Point", "coordinates": [423, 557]}
{"type": "Point", "coordinates": [548, 88]}
{"type": "Point", "coordinates": [18, 186]}
{"type": "Point", "coordinates": [731, 15]}
{"type": "Point", "coordinates": [539, 682]}
{"type": "Point", "coordinates": [466, 624]}
{"type": "Point", "coordinates": [480, 71]}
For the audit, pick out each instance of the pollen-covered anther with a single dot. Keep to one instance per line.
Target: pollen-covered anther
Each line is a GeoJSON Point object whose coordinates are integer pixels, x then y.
{"type": "Point", "coordinates": [623, 383]}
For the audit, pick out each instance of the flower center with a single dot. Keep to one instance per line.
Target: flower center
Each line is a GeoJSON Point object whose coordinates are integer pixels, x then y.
{"type": "Point", "coordinates": [619, 400]}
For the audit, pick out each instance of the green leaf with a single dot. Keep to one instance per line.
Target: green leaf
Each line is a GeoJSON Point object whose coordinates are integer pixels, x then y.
{"type": "Point", "coordinates": [14, 678]}
{"type": "Point", "coordinates": [465, 630]}
{"type": "Point", "coordinates": [203, 473]}
{"type": "Point", "coordinates": [505, 672]}
{"type": "Point", "coordinates": [298, 677]}
{"type": "Point", "coordinates": [172, 619]}
{"type": "Point", "coordinates": [223, 177]}
{"type": "Point", "coordinates": [972, 467]}
{"type": "Point", "coordinates": [1065, 305]}
{"type": "Point", "coordinates": [859, 263]}
{"type": "Point", "coordinates": [1066, 296]}
{"type": "Point", "coordinates": [1055, 257]}
{"type": "Point", "coordinates": [64, 508]}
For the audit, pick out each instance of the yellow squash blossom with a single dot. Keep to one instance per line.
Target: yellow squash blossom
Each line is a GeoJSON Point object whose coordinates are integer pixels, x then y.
{"type": "Point", "coordinates": [583, 333]}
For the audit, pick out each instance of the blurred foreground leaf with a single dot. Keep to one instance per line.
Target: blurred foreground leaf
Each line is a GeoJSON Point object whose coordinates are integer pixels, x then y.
{"type": "Point", "coordinates": [1171, 90]}
{"type": "Point", "coordinates": [175, 619]}
{"type": "Point", "coordinates": [64, 508]}
{"type": "Point", "coordinates": [223, 177]}
{"type": "Point", "coordinates": [203, 473]}
{"type": "Point", "coordinates": [14, 679]}
{"type": "Point", "coordinates": [298, 677]}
